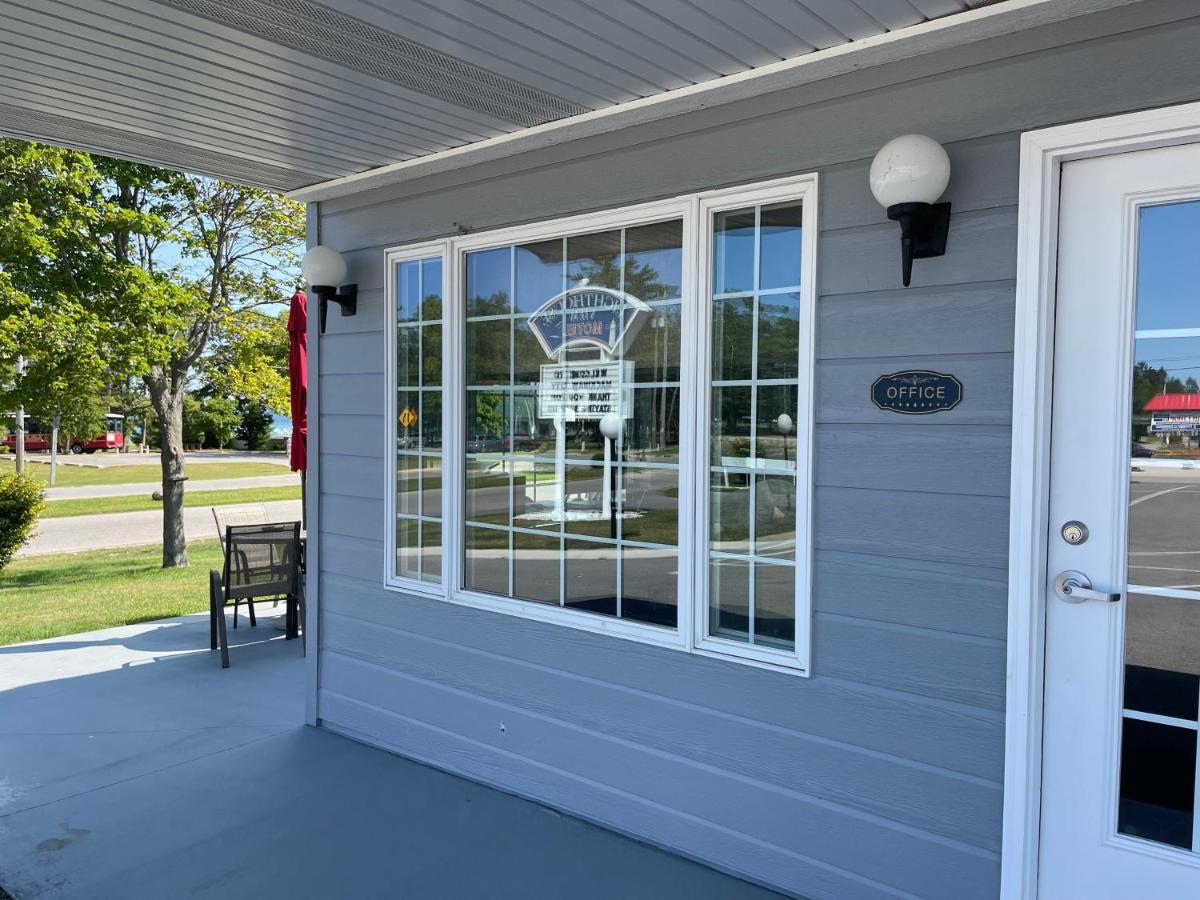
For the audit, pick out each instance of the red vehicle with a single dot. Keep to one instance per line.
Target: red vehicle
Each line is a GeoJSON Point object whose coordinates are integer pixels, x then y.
{"type": "Point", "coordinates": [38, 437]}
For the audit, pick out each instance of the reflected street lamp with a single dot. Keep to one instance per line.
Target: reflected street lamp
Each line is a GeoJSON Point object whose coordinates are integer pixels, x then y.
{"type": "Point", "coordinates": [611, 426]}
{"type": "Point", "coordinates": [785, 425]}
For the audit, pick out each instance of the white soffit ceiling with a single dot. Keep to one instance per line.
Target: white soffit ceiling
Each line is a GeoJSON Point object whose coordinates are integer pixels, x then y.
{"type": "Point", "coordinates": [287, 94]}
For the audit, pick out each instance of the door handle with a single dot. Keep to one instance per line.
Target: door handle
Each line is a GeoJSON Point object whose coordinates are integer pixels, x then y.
{"type": "Point", "coordinates": [1075, 587]}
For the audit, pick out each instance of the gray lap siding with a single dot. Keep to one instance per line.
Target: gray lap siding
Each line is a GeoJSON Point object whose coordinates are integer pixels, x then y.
{"type": "Point", "coordinates": [881, 775]}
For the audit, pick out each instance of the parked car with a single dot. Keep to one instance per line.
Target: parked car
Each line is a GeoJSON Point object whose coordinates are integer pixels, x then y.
{"type": "Point", "coordinates": [1141, 451]}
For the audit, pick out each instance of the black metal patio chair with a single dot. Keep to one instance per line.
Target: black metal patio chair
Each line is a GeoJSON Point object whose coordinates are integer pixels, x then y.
{"type": "Point", "coordinates": [262, 562]}
{"type": "Point", "coordinates": [240, 514]}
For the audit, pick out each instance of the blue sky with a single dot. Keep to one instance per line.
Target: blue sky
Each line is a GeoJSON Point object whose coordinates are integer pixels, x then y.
{"type": "Point", "coordinates": [1168, 285]}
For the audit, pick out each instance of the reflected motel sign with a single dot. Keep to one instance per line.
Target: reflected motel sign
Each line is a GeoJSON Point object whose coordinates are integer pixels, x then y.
{"type": "Point", "coordinates": [1174, 423]}
{"type": "Point", "coordinates": [591, 390]}
{"type": "Point", "coordinates": [585, 318]}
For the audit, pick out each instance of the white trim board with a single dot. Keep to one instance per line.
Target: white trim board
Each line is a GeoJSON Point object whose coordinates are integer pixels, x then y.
{"type": "Point", "coordinates": [312, 495]}
{"type": "Point", "coordinates": [1043, 153]}
{"type": "Point", "coordinates": [996, 20]}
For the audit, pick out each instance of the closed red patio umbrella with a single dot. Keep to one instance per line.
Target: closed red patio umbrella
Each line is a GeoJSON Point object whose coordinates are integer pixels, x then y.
{"type": "Point", "coordinates": [297, 326]}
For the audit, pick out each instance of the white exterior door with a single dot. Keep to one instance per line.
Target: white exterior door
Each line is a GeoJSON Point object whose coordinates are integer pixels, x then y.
{"type": "Point", "coordinates": [1120, 783]}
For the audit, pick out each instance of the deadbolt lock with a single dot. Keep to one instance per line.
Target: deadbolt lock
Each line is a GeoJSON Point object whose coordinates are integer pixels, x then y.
{"type": "Point", "coordinates": [1075, 532]}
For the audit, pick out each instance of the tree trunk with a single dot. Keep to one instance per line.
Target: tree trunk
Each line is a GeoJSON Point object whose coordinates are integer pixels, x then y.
{"type": "Point", "coordinates": [20, 430]}
{"type": "Point", "coordinates": [168, 406]}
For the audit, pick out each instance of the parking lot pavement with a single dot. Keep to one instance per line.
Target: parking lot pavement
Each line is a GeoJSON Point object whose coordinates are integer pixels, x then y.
{"type": "Point", "coordinates": [133, 529]}
{"type": "Point", "coordinates": [1162, 630]}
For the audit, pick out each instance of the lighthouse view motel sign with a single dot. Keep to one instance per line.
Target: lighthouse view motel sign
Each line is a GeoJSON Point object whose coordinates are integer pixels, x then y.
{"type": "Point", "coordinates": [582, 318]}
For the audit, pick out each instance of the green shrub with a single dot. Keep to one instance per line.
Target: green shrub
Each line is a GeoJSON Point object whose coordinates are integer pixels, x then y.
{"type": "Point", "coordinates": [21, 499]}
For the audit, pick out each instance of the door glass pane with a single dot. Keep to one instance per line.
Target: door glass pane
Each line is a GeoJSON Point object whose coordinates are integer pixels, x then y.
{"type": "Point", "coordinates": [594, 331]}
{"type": "Point", "coordinates": [753, 414]}
{"type": "Point", "coordinates": [1162, 605]}
{"type": "Point", "coordinates": [418, 425]}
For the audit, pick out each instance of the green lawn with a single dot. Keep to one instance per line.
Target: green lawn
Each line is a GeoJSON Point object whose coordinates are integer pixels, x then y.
{"type": "Point", "coordinates": [75, 476]}
{"type": "Point", "coordinates": [66, 593]}
{"type": "Point", "coordinates": [89, 506]}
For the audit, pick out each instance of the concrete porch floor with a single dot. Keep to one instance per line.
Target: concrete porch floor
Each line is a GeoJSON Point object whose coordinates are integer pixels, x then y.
{"type": "Point", "coordinates": [132, 766]}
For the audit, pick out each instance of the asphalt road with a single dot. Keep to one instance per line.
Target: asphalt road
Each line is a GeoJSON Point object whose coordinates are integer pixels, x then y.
{"type": "Point", "coordinates": [108, 459]}
{"type": "Point", "coordinates": [132, 529]}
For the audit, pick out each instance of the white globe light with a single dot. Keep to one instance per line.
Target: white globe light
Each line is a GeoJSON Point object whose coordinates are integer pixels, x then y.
{"type": "Point", "coordinates": [912, 168]}
{"type": "Point", "coordinates": [323, 266]}
{"type": "Point", "coordinates": [785, 424]}
{"type": "Point", "coordinates": [611, 426]}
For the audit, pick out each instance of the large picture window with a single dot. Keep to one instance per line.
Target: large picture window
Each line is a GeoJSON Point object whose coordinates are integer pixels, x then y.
{"type": "Point", "coordinates": [565, 338]}
{"type": "Point", "coordinates": [614, 434]}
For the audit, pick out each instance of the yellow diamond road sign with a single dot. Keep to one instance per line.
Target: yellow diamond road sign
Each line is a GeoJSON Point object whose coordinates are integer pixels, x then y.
{"type": "Point", "coordinates": [408, 418]}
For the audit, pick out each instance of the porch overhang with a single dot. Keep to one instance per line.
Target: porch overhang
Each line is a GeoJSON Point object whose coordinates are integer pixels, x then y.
{"type": "Point", "coordinates": [322, 98]}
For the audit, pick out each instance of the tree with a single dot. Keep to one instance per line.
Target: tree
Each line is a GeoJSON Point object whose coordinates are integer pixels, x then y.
{"type": "Point", "coordinates": [249, 360]}
{"type": "Point", "coordinates": [239, 250]}
{"type": "Point", "coordinates": [113, 271]}
{"type": "Point", "coordinates": [61, 285]}
{"type": "Point", "coordinates": [255, 423]}
{"type": "Point", "coordinates": [209, 421]}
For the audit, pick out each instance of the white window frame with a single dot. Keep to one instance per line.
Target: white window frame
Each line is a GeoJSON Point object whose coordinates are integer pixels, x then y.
{"type": "Point", "coordinates": [695, 211]}
{"type": "Point", "coordinates": [392, 259]}
{"type": "Point", "coordinates": [803, 189]}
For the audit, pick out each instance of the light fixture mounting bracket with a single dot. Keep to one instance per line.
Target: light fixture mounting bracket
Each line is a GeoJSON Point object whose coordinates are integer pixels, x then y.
{"type": "Point", "coordinates": [346, 297]}
{"type": "Point", "coordinates": [924, 229]}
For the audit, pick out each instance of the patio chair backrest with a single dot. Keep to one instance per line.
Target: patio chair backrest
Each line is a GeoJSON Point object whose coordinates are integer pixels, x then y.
{"type": "Point", "coordinates": [261, 560]}
{"type": "Point", "coordinates": [243, 514]}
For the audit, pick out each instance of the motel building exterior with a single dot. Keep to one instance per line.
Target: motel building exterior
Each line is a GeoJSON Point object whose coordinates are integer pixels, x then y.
{"type": "Point", "coordinates": [728, 442]}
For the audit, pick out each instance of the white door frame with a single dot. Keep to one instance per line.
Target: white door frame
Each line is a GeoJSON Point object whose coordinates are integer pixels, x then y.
{"type": "Point", "coordinates": [1042, 155]}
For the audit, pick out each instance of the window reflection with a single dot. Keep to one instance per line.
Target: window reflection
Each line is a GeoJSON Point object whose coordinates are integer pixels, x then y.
{"type": "Point", "coordinates": [539, 273]}
{"type": "Point", "coordinates": [537, 567]}
{"type": "Point", "coordinates": [594, 329]}
{"type": "Point", "coordinates": [650, 585]}
{"type": "Point", "coordinates": [1162, 605]}
{"type": "Point", "coordinates": [778, 336]}
{"type": "Point", "coordinates": [591, 577]}
{"type": "Point", "coordinates": [487, 554]}
{"type": "Point", "coordinates": [733, 251]}
{"type": "Point", "coordinates": [733, 339]}
{"type": "Point", "coordinates": [489, 282]}
{"type": "Point", "coordinates": [418, 422]}
{"type": "Point", "coordinates": [754, 411]}
{"type": "Point", "coordinates": [729, 598]}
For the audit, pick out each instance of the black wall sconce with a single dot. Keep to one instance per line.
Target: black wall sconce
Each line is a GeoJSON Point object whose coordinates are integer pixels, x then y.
{"type": "Point", "coordinates": [324, 269]}
{"type": "Point", "coordinates": [908, 175]}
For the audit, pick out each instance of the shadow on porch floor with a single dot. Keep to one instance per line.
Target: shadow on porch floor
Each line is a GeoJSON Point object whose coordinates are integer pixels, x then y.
{"type": "Point", "coordinates": [132, 766]}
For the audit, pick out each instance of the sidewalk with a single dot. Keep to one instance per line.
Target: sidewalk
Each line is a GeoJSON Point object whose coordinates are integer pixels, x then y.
{"type": "Point", "coordinates": [75, 533]}
{"type": "Point", "coordinates": [147, 488]}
